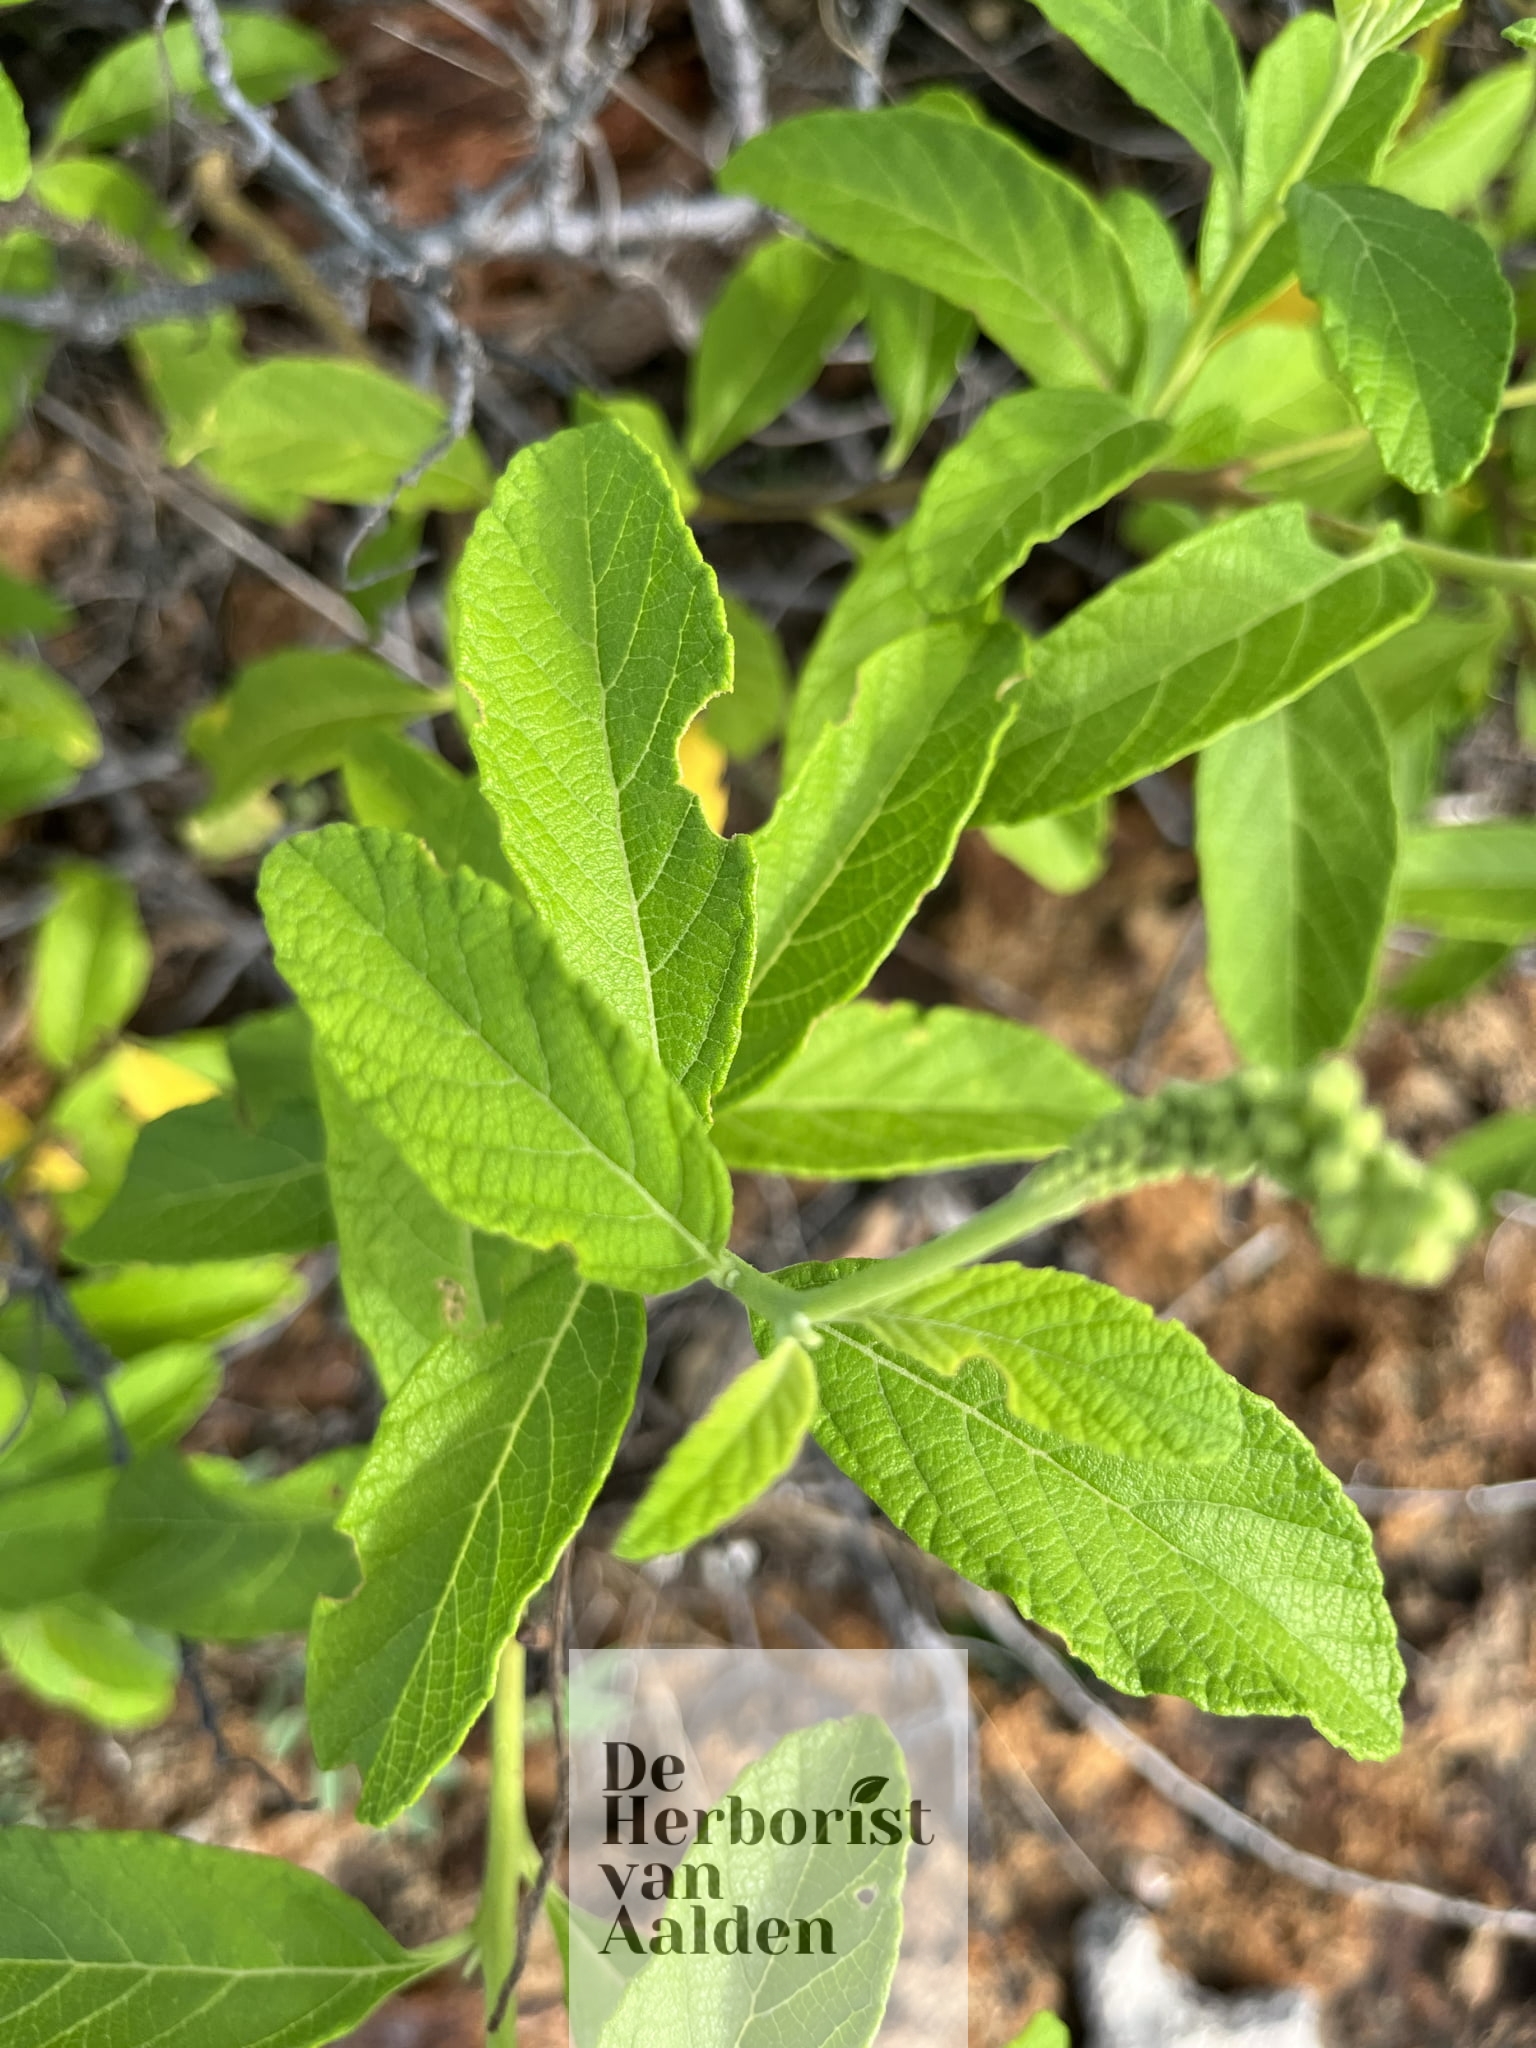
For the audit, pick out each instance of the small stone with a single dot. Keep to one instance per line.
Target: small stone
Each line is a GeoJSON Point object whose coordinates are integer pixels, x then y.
{"type": "Point", "coordinates": [1132, 1998]}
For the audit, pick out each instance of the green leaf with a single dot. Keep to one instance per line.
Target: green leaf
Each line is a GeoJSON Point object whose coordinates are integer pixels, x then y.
{"type": "Point", "coordinates": [204, 1183]}
{"type": "Point", "coordinates": [46, 734]}
{"type": "Point", "coordinates": [409, 1270]}
{"type": "Point", "coordinates": [26, 265]}
{"type": "Point", "coordinates": [393, 783]}
{"type": "Point", "coordinates": [752, 712]}
{"type": "Point", "coordinates": [77, 1653]}
{"type": "Point", "coordinates": [1176, 58]}
{"type": "Point", "coordinates": [1497, 1156]}
{"type": "Point", "coordinates": [1521, 33]}
{"type": "Point", "coordinates": [590, 633]}
{"type": "Point", "coordinates": [141, 1308]}
{"type": "Point", "coordinates": [881, 1089]}
{"type": "Point", "coordinates": [25, 608]}
{"type": "Point", "coordinates": [1444, 664]}
{"type": "Point", "coordinates": [867, 828]}
{"type": "Point", "coordinates": [124, 93]}
{"type": "Point", "coordinates": [48, 1537]}
{"type": "Point", "coordinates": [967, 212]}
{"type": "Point", "coordinates": [1292, 81]}
{"type": "Point", "coordinates": [301, 427]}
{"type": "Point", "coordinates": [144, 1938]}
{"type": "Point", "coordinates": [874, 607]}
{"type": "Point", "coordinates": [764, 341]}
{"type": "Point", "coordinates": [192, 1546]}
{"type": "Point", "coordinates": [485, 1464]}
{"type": "Point", "coordinates": [1420, 322]}
{"type": "Point", "coordinates": [271, 1064]}
{"type": "Point", "coordinates": [578, 1136]}
{"type": "Point", "coordinates": [789, 2000]}
{"type": "Point", "coordinates": [1449, 971]}
{"type": "Point", "coordinates": [1211, 634]}
{"type": "Point", "coordinates": [1160, 277]}
{"type": "Point", "coordinates": [1031, 466]}
{"type": "Point", "coordinates": [15, 141]}
{"type": "Point", "coordinates": [1451, 161]}
{"type": "Point", "coordinates": [1471, 881]}
{"type": "Point", "coordinates": [643, 418]}
{"type": "Point", "coordinates": [917, 341]}
{"type": "Point", "coordinates": [1064, 854]}
{"type": "Point", "coordinates": [1245, 1583]}
{"type": "Point", "coordinates": [1297, 837]}
{"type": "Point", "coordinates": [1265, 388]}
{"type": "Point", "coordinates": [745, 1440]}
{"type": "Point", "coordinates": [1078, 1359]}
{"type": "Point", "coordinates": [292, 716]}
{"type": "Point", "coordinates": [1045, 2030]}
{"type": "Point", "coordinates": [1377, 24]}
{"type": "Point", "coordinates": [90, 965]}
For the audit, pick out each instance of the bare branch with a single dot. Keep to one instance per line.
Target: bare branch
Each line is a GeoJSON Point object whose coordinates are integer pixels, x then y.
{"type": "Point", "coordinates": [100, 322]}
{"type": "Point", "coordinates": [390, 257]}
{"type": "Point", "coordinates": [1225, 1821]}
{"type": "Point", "coordinates": [733, 58]}
{"type": "Point", "coordinates": [184, 498]}
{"type": "Point", "coordinates": [1509, 1497]}
{"type": "Point", "coordinates": [37, 1278]}
{"type": "Point", "coordinates": [666, 221]}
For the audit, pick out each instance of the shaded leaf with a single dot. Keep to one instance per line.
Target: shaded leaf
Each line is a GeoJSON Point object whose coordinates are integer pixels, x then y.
{"type": "Point", "coordinates": [917, 340]}
{"type": "Point", "coordinates": [48, 1537]}
{"type": "Point", "coordinates": [877, 605]}
{"type": "Point", "coordinates": [752, 714]}
{"type": "Point", "coordinates": [1471, 881]}
{"type": "Point", "coordinates": [1297, 837]}
{"type": "Point", "coordinates": [46, 734]}
{"type": "Point", "coordinates": [124, 93]}
{"type": "Point", "coordinates": [90, 965]}
{"type": "Point", "coordinates": [765, 340]}
{"type": "Point", "coordinates": [410, 1272]}
{"type": "Point", "coordinates": [292, 716]}
{"type": "Point", "coordinates": [193, 1546]}
{"type": "Point", "coordinates": [204, 1183]}
{"type": "Point", "coordinates": [392, 783]}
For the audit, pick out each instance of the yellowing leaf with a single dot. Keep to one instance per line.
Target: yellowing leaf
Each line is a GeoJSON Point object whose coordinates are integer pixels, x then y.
{"type": "Point", "coordinates": [701, 768]}
{"type": "Point", "coordinates": [149, 1085]}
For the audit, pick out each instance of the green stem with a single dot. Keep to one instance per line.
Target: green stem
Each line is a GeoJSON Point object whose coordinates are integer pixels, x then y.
{"type": "Point", "coordinates": [1203, 330]}
{"type": "Point", "coordinates": [1052, 1193]}
{"type": "Point", "coordinates": [1504, 572]}
{"type": "Point", "coordinates": [509, 1850]}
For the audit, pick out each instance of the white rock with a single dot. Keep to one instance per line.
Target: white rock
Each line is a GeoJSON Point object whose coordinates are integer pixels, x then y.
{"type": "Point", "coordinates": [1131, 1997]}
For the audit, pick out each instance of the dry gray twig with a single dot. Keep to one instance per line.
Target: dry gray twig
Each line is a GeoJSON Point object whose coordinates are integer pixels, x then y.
{"type": "Point", "coordinates": [1213, 1812]}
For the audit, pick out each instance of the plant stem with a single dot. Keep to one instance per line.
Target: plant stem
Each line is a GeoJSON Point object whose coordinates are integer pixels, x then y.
{"type": "Point", "coordinates": [509, 1850]}
{"type": "Point", "coordinates": [1504, 572]}
{"type": "Point", "coordinates": [1053, 1192]}
{"type": "Point", "coordinates": [1204, 328]}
